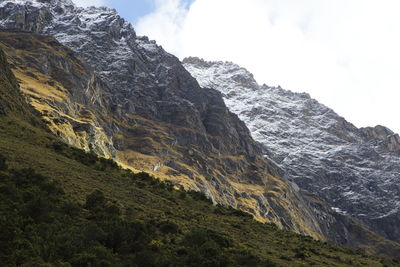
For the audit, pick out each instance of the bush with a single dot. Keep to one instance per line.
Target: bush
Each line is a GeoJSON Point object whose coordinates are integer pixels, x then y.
{"type": "Point", "coordinates": [222, 210]}
{"type": "Point", "coordinates": [300, 255]}
{"type": "Point", "coordinates": [95, 201]}
{"type": "Point", "coordinates": [168, 227]}
{"type": "Point", "coordinates": [198, 236]}
{"type": "Point", "coordinates": [182, 194]}
{"type": "Point", "coordinates": [241, 213]}
{"type": "Point", "coordinates": [58, 146]}
{"type": "Point", "coordinates": [144, 176]}
{"type": "Point", "coordinates": [196, 195]}
{"type": "Point", "coordinates": [86, 158]}
{"type": "Point", "coordinates": [246, 258]}
{"type": "Point", "coordinates": [3, 163]}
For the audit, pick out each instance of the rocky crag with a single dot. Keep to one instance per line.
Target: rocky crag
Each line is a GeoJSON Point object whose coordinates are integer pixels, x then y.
{"type": "Point", "coordinates": [356, 171]}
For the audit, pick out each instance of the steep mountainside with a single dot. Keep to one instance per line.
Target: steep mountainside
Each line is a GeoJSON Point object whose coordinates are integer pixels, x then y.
{"type": "Point", "coordinates": [61, 87]}
{"type": "Point", "coordinates": [61, 206]}
{"type": "Point", "coordinates": [122, 96]}
{"type": "Point", "coordinates": [11, 100]}
{"type": "Point", "coordinates": [356, 171]}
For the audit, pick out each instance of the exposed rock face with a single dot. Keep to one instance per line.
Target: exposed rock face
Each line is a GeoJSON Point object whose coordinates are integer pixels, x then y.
{"type": "Point", "coordinates": [147, 107]}
{"type": "Point", "coordinates": [387, 140]}
{"type": "Point", "coordinates": [356, 171]}
{"type": "Point", "coordinates": [61, 87]}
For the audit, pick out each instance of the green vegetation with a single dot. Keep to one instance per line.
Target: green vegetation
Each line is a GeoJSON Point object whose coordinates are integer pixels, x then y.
{"type": "Point", "coordinates": [61, 206]}
{"type": "Point", "coordinates": [40, 225]}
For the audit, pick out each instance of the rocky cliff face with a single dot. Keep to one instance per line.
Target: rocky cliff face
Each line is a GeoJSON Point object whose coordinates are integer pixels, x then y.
{"type": "Point", "coordinates": [61, 87]}
{"type": "Point", "coordinates": [124, 97]}
{"type": "Point", "coordinates": [356, 171]}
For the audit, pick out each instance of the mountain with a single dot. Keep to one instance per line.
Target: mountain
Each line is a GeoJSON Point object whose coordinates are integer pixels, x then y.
{"type": "Point", "coordinates": [101, 88]}
{"type": "Point", "coordinates": [356, 171]}
{"type": "Point", "coordinates": [62, 206]}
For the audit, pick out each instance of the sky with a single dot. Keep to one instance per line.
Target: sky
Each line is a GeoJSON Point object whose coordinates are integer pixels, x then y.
{"type": "Point", "coordinates": [131, 10]}
{"type": "Point", "coordinates": [344, 53]}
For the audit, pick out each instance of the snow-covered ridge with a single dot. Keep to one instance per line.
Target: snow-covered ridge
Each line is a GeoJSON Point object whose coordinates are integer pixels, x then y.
{"type": "Point", "coordinates": [82, 30]}
{"type": "Point", "coordinates": [356, 170]}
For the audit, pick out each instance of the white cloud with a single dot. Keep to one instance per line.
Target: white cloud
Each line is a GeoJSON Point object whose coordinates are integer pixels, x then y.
{"type": "Point", "coordinates": [165, 24]}
{"type": "Point", "coordinates": [345, 53]}
{"type": "Point", "coordinates": [86, 3]}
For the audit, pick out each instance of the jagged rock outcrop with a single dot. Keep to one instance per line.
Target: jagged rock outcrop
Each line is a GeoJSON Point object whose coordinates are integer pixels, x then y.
{"type": "Point", "coordinates": [356, 171]}
{"type": "Point", "coordinates": [386, 139]}
{"type": "Point", "coordinates": [149, 108]}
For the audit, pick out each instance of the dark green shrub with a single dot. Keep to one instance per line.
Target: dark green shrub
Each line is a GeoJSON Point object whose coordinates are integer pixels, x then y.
{"type": "Point", "coordinates": [27, 178]}
{"type": "Point", "coordinates": [196, 195]}
{"type": "Point", "coordinates": [112, 210]}
{"type": "Point", "coordinates": [222, 210]}
{"type": "Point", "coordinates": [286, 258]}
{"type": "Point", "coordinates": [300, 255]}
{"type": "Point", "coordinates": [144, 176]}
{"type": "Point", "coordinates": [145, 258]}
{"type": "Point", "coordinates": [3, 163]}
{"type": "Point", "coordinates": [58, 146]}
{"type": "Point", "coordinates": [198, 236]}
{"type": "Point", "coordinates": [92, 234]}
{"type": "Point", "coordinates": [245, 258]}
{"type": "Point", "coordinates": [168, 227]}
{"type": "Point", "coordinates": [96, 256]}
{"type": "Point", "coordinates": [241, 213]}
{"type": "Point", "coordinates": [182, 194]}
{"type": "Point", "coordinates": [70, 208]}
{"type": "Point", "coordinates": [95, 201]}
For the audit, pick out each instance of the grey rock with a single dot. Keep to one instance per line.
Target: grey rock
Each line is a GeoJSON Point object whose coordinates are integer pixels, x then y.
{"type": "Point", "coordinates": [356, 171]}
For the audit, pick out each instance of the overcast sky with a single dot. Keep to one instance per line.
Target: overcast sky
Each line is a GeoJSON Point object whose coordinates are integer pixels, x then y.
{"type": "Point", "coordinates": [345, 53]}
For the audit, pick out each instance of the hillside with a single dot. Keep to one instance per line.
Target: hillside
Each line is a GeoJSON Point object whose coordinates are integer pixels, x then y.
{"type": "Point", "coordinates": [61, 206]}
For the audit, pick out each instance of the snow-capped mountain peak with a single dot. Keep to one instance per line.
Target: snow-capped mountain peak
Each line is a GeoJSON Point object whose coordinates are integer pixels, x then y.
{"type": "Point", "coordinates": [356, 170]}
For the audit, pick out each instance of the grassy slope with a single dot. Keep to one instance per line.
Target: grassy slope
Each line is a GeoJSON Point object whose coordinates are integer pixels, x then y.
{"type": "Point", "coordinates": [26, 146]}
